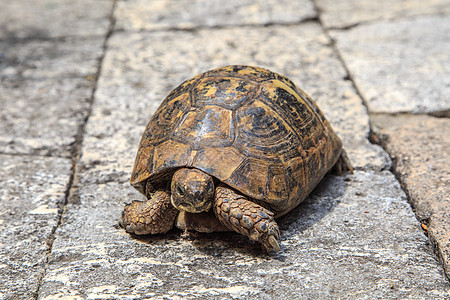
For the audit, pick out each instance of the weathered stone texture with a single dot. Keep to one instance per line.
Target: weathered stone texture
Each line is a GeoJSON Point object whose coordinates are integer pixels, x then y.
{"type": "Point", "coordinates": [45, 92]}
{"type": "Point", "coordinates": [346, 13]}
{"type": "Point", "coordinates": [355, 235]}
{"type": "Point", "coordinates": [49, 19]}
{"type": "Point", "coordinates": [360, 226]}
{"type": "Point", "coordinates": [49, 53]}
{"type": "Point", "coordinates": [419, 146]}
{"type": "Point", "coordinates": [136, 15]}
{"type": "Point", "coordinates": [400, 66]}
{"type": "Point", "coordinates": [439, 228]}
{"type": "Point", "coordinates": [31, 196]}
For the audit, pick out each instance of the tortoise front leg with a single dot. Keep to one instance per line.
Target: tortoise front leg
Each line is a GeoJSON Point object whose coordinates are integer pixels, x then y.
{"type": "Point", "coordinates": [156, 215]}
{"type": "Point", "coordinates": [246, 217]}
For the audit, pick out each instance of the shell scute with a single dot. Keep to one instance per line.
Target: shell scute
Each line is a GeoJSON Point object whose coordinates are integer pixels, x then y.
{"type": "Point", "coordinates": [172, 154]}
{"type": "Point", "coordinates": [143, 168]}
{"type": "Point", "coordinates": [210, 126]}
{"type": "Point", "coordinates": [227, 92]}
{"type": "Point", "coordinates": [166, 119]}
{"type": "Point", "coordinates": [220, 161]}
{"type": "Point", "coordinates": [251, 177]}
{"type": "Point", "coordinates": [276, 185]}
{"type": "Point", "coordinates": [262, 133]}
{"type": "Point", "coordinates": [247, 72]}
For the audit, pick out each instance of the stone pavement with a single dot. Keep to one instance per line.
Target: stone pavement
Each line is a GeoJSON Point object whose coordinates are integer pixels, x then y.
{"type": "Point", "coordinates": [80, 79]}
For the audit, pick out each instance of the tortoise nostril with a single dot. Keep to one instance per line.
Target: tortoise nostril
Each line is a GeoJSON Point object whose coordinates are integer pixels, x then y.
{"type": "Point", "coordinates": [180, 191]}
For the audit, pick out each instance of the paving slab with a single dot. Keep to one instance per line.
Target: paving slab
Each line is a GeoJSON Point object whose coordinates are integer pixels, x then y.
{"type": "Point", "coordinates": [400, 66]}
{"type": "Point", "coordinates": [360, 226]}
{"type": "Point", "coordinates": [419, 148]}
{"type": "Point", "coordinates": [137, 15]}
{"type": "Point", "coordinates": [44, 19]}
{"type": "Point", "coordinates": [347, 13]}
{"type": "Point", "coordinates": [69, 57]}
{"type": "Point", "coordinates": [45, 92]}
{"type": "Point", "coordinates": [140, 69]}
{"type": "Point", "coordinates": [355, 237]}
{"type": "Point", "coordinates": [43, 118]}
{"type": "Point", "coordinates": [32, 194]}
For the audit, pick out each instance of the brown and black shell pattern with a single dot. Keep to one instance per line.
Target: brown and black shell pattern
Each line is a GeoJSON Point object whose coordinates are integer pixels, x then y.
{"type": "Point", "coordinates": [248, 127]}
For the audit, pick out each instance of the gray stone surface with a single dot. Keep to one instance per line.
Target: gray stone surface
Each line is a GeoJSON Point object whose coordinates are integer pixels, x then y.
{"type": "Point", "coordinates": [355, 236]}
{"type": "Point", "coordinates": [43, 117]}
{"type": "Point", "coordinates": [141, 68]}
{"type": "Point", "coordinates": [346, 13]}
{"type": "Point", "coordinates": [400, 66]}
{"type": "Point", "coordinates": [361, 226]}
{"type": "Point", "coordinates": [49, 19]}
{"type": "Point", "coordinates": [31, 197]}
{"type": "Point", "coordinates": [138, 15]}
{"type": "Point", "coordinates": [71, 57]}
{"type": "Point", "coordinates": [45, 92]}
{"type": "Point", "coordinates": [419, 147]}
{"type": "Point", "coordinates": [49, 52]}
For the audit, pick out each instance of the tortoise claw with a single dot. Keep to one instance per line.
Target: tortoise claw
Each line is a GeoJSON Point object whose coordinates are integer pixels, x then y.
{"type": "Point", "coordinates": [273, 244]}
{"type": "Point", "coordinates": [269, 238]}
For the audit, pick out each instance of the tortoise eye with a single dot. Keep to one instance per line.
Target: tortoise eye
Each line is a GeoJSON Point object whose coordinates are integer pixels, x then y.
{"type": "Point", "coordinates": [210, 186]}
{"type": "Point", "coordinates": [180, 191]}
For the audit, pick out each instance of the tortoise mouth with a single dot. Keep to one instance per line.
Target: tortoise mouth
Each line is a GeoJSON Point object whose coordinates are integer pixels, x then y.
{"type": "Point", "coordinates": [188, 207]}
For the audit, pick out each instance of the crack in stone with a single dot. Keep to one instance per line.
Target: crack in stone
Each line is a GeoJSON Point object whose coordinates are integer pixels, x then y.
{"type": "Point", "coordinates": [440, 114]}
{"type": "Point", "coordinates": [34, 153]}
{"type": "Point", "coordinates": [423, 217]}
{"type": "Point", "coordinates": [76, 150]}
{"type": "Point", "coordinates": [222, 26]}
{"type": "Point", "coordinates": [12, 40]}
{"type": "Point", "coordinates": [424, 220]}
{"type": "Point", "coordinates": [436, 114]}
{"type": "Point", "coordinates": [374, 21]}
{"type": "Point", "coordinates": [376, 138]}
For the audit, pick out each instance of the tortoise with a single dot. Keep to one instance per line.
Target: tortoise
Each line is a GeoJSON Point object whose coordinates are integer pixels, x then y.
{"type": "Point", "coordinates": [241, 141]}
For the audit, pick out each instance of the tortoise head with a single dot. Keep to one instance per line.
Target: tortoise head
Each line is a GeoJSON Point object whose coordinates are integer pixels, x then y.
{"type": "Point", "coordinates": [192, 190]}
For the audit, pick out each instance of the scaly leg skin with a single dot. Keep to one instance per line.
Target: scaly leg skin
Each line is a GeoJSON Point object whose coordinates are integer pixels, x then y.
{"type": "Point", "coordinates": [156, 215]}
{"type": "Point", "coordinates": [246, 217]}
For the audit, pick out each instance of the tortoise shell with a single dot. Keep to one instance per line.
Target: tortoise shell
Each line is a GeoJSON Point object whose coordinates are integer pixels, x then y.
{"type": "Point", "coordinates": [248, 127]}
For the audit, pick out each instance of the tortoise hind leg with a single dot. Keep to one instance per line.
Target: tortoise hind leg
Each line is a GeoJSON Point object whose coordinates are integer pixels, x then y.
{"type": "Point", "coordinates": [156, 215]}
{"type": "Point", "coordinates": [246, 217]}
{"type": "Point", "coordinates": [343, 164]}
